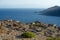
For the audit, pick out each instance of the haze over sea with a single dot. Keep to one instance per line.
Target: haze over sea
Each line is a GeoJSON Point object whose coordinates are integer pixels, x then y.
{"type": "Point", "coordinates": [27, 15]}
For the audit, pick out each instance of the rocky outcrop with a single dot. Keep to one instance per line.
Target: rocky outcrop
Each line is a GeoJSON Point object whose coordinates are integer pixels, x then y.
{"type": "Point", "coordinates": [10, 29]}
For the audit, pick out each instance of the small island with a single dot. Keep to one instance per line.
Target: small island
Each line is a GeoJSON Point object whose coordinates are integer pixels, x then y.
{"type": "Point", "coordinates": [16, 30]}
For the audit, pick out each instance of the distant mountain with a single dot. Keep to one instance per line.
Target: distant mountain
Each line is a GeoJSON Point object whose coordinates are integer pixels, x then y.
{"type": "Point", "coordinates": [53, 11]}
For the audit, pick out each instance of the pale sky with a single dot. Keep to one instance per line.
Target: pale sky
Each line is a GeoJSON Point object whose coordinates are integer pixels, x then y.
{"type": "Point", "coordinates": [28, 3]}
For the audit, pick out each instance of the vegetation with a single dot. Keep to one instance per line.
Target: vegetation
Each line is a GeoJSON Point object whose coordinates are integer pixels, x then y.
{"type": "Point", "coordinates": [53, 38]}
{"type": "Point", "coordinates": [28, 35]}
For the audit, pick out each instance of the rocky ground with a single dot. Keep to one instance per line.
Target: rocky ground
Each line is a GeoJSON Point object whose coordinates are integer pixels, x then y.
{"type": "Point", "coordinates": [12, 29]}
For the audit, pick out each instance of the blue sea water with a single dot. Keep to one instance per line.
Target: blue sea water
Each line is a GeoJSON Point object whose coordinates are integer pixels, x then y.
{"type": "Point", "coordinates": [27, 15]}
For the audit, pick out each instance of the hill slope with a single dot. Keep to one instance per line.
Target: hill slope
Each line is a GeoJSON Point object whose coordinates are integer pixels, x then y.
{"type": "Point", "coordinates": [53, 11]}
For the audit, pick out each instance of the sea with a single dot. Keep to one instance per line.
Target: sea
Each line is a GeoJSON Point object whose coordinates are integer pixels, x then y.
{"type": "Point", "coordinates": [28, 15]}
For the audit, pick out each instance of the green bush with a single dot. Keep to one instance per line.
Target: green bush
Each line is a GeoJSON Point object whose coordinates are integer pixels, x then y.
{"type": "Point", "coordinates": [28, 35]}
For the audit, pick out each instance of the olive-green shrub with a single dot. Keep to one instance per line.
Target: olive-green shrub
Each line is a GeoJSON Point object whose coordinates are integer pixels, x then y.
{"type": "Point", "coordinates": [28, 35]}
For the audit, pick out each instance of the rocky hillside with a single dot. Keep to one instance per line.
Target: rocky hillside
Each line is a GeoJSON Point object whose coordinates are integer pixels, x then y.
{"type": "Point", "coordinates": [12, 30]}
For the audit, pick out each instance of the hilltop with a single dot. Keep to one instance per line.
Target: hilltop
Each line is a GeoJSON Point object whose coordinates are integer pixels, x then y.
{"type": "Point", "coordinates": [12, 30]}
{"type": "Point", "coordinates": [52, 11]}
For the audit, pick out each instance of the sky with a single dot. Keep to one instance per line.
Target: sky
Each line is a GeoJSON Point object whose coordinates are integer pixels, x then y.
{"type": "Point", "coordinates": [28, 3]}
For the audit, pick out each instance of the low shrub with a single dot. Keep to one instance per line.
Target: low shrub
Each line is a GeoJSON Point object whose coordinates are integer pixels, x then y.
{"type": "Point", "coordinates": [28, 35]}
